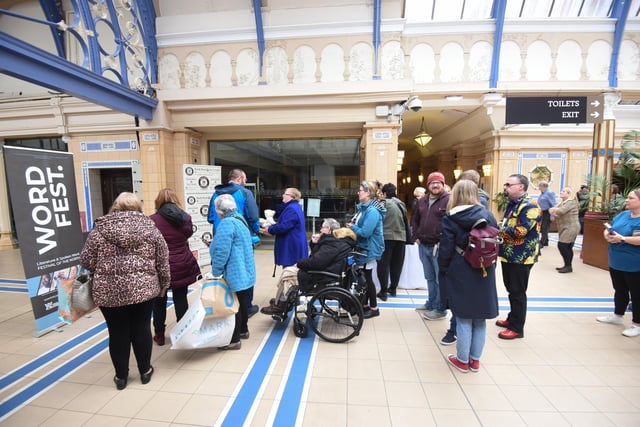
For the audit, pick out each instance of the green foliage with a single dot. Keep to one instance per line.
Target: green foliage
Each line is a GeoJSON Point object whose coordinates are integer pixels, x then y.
{"type": "Point", "coordinates": [626, 172]}
{"type": "Point", "coordinates": [625, 175]}
{"type": "Point", "coordinates": [501, 200]}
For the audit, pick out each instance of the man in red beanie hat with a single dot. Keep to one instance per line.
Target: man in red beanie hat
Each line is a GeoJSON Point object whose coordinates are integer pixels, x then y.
{"type": "Point", "coordinates": [425, 223]}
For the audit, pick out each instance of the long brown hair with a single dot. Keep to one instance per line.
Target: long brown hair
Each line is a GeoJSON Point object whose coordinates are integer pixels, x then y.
{"type": "Point", "coordinates": [167, 195]}
{"type": "Point", "coordinates": [465, 192]}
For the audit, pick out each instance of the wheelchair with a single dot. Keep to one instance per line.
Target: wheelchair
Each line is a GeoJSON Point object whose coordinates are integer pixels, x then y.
{"type": "Point", "coordinates": [332, 307]}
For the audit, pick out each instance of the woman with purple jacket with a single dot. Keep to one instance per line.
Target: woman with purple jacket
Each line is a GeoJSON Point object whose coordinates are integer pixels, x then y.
{"type": "Point", "coordinates": [176, 228]}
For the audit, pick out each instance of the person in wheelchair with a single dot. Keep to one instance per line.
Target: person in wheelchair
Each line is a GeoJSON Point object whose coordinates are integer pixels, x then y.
{"type": "Point", "coordinates": [329, 251]}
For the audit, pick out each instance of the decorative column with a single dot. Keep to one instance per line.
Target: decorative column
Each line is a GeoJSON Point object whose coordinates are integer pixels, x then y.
{"type": "Point", "coordinates": [380, 146]}
{"type": "Point", "coordinates": [602, 149]}
{"type": "Point", "coordinates": [594, 247]}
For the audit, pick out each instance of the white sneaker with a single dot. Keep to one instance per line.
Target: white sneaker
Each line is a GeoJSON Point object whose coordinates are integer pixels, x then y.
{"type": "Point", "coordinates": [616, 320]}
{"type": "Point", "coordinates": [631, 331]}
{"type": "Point", "coordinates": [433, 315]}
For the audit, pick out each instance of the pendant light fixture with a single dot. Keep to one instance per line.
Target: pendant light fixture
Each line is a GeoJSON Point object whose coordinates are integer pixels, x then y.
{"type": "Point", "coordinates": [422, 138]}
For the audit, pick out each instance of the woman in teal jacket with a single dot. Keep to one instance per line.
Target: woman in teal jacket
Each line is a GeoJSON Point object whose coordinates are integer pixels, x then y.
{"type": "Point", "coordinates": [367, 224]}
{"type": "Point", "coordinates": [232, 257]}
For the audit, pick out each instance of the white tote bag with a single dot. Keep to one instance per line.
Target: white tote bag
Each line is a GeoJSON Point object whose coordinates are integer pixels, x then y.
{"type": "Point", "coordinates": [194, 331]}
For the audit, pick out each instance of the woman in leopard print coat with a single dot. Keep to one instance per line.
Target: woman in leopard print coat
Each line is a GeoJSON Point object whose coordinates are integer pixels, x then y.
{"type": "Point", "coordinates": [130, 263]}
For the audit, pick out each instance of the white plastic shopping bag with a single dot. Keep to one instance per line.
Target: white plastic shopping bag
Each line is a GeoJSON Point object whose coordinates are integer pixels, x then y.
{"type": "Point", "coordinates": [194, 331]}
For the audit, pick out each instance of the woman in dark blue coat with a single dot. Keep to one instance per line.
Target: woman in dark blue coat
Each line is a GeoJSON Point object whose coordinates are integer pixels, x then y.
{"type": "Point", "coordinates": [472, 297]}
{"type": "Point", "coordinates": [291, 237]}
{"type": "Point", "coordinates": [176, 228]}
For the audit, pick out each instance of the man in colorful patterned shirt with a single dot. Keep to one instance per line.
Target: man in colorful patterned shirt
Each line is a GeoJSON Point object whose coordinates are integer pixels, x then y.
{"type": "Point", "coordinates": [519, 251]}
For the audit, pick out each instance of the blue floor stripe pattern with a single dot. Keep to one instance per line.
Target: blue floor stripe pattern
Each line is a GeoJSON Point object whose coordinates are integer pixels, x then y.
{"type": "Point", "coordinates": [289, 405]}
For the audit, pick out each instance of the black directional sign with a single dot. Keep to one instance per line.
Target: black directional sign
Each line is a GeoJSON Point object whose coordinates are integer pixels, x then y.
{"type": "Point", "coordinates": [555, 109]}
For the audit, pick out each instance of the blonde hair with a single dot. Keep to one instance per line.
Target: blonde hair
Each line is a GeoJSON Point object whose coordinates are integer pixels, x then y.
{"type": "Point", "coordinates": [166, 195]}
{"type": "Point", "coordinates": [370, 187]}
{"type": "Point", "coordinates": [343, 232]}
{"type": "Point", "coordinates": [295, 193]}
{"type": "Point", "coordinates": [571, 194]}
{"type": "Point", "coordinates": [464, 192]}
{"type": "Point", "coordinates": [126, 202]}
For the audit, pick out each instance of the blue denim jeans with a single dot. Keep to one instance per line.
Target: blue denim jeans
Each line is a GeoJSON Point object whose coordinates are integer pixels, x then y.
{"type": "Point", "coordinates": [429, 259]}
{"type": "Point", "coordinates": [471, 334]}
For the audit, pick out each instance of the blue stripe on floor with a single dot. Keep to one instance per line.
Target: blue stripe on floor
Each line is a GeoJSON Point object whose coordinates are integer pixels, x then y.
{"type": "Point", "coordinates": [49, 356]}
{"type": "Point", "coordinates": [13, 281]}
{"type": "Point", "coordinates": [29, 392]}
{"type": "Point", "coordinates": [238, 412]}
{"type": "Point", "coordinates": [290, 401]}
{"type": "Point", "coordinates": [14, 290]}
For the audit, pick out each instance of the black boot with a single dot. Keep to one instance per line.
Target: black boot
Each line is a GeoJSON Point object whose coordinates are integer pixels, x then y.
{"type": "Point", "coordinates": [279, 308]}
{"type": "Point", "coordinates": [566, 269]}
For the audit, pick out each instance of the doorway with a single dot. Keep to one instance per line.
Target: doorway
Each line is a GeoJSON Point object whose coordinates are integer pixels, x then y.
{"type": "Point", "coordinates": [112, 183]}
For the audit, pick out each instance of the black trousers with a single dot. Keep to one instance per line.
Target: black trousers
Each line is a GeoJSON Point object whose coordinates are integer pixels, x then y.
{"type": "Point", "coordinates": [566, 251]}
{"type": "Point", "coordinates": [242, 316]}
{"type": "Point", "coordinates": [129, 326]}
{"type": "Point", "coordinates": [371, 288]}
{"type": "Point", "coordinates": [516, 281]}
{"type": "Point", "coordinates": [626, 284]}
{"type": "Point", "coordinates": [180, 305]}
{"type": "Point", "coordinates": [390, 265]}
{"type": "Point", "coordinates": [544, 228]}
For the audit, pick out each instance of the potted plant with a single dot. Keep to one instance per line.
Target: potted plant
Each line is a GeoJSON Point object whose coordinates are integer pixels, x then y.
{"type": "Point", "coordinates": [602, 208]}
{"type": "Point", "coordinates": [501, 200]}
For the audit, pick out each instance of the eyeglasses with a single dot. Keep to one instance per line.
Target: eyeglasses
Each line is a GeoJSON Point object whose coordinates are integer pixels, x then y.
{"type": "Point", "coordinates": [506, 184]}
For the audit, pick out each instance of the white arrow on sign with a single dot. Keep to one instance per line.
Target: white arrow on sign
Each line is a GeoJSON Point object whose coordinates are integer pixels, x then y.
{"type": "Point", "coordinates": [595, 103]}
{"type": "Point", "coordinates": [595, 114]}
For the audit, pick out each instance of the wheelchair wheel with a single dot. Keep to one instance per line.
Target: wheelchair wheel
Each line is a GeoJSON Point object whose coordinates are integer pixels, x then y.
{"type": "Point", "coordinates": [299, 328]}
{"type": "Point", "coordinates": [335, 314]}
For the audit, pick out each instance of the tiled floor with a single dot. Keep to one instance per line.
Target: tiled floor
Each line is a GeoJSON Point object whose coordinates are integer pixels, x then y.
{"type": "Point", "coordinates": [568, 370]}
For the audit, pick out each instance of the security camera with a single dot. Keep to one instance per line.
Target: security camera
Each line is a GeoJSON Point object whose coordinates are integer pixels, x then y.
{"type": "Point", "coordinates": [414, 104]}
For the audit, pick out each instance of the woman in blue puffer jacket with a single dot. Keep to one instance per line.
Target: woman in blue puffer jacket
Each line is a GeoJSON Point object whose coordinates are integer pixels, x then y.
{"type": "Point", "coordinates": [232, 257]}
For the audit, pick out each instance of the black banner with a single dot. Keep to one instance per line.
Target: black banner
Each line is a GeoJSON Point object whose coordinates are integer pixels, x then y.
{"type": "Point", "coordinates": [42, 190]}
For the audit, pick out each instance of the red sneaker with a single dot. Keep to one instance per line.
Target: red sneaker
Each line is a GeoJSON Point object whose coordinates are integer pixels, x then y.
{"type": "Point", "coordinates": [508, 334]}
{"type": "Point", "coordinates": [460, 366]}
{"type": "Point", "coordinates": [474, 365]}
{"type": "Point", "coordinates": [502, 323]}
